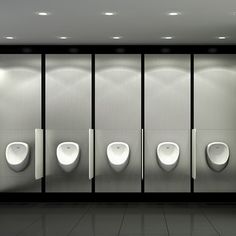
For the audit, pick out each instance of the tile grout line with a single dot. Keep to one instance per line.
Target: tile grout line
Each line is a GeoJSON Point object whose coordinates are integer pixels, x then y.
{"type": "Point", "coordinates": [209, 221]}
{"type": "Point", "coordinates": [164, 215]}
{"type": "Point", "coordinates": [26, 227]}
{"type": "Point", "coordinates": [79, 220]}
{"type": "Point", "coordinates": [122, 220]}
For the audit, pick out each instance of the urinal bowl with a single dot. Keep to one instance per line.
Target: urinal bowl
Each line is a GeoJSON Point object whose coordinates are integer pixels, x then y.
{"type": "Point", "coordinates": [68, 155]}
{"type": "Point", "coordinates": [168, 155]}
{"type": "Point", "coordinates": [217, 155]}
{"type": "Point", "coordinates": [118, 155]}
{"type": "Point", "coordinates": [17, 156]}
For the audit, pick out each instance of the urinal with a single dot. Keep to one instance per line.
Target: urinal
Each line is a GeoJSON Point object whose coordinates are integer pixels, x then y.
{"type": "Point", "coordinates": [118, 155]}
{"type": "Point", "coordinates": [68, 155]}
{"type": "Point", "coordinates": [217, 155]}
{"type": "Point", "coordinates": [17, 156]}
{"type": "Point", "coordinates": [168, 155]}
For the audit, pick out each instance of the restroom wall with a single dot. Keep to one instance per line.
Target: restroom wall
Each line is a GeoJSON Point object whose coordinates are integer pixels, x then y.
{"type": "Point", "coordinates": [20, 115]}
{"type": "Point", "coordinates": [68, 118]}
{"type": "Point", "coordinates": [117, 118]}
{"type": "Point", "coordinates": [214, 117]}
{"type": "Point", "coordinates": [167, 119]}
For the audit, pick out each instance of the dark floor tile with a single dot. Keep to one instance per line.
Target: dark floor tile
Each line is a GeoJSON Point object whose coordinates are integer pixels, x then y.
{"type": "Point", "coordinates": [12, 223]}
{"type": "Point", "coordinates": [56, 220]}
{"type": "Point", "coordinates": [101, 219]}
{"type": "Point", "coordinates": [144, 219]}
{"type": "Point", "coordinates": [187, 220]}
{"type": "Point", "coordinates": [223, 218]}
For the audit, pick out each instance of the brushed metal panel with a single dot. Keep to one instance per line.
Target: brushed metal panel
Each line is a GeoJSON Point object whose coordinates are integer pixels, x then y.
{"type": "Point", "coordinates": [20, 109]}
{"type": "Point", "coordinates": [23, 181]}
{"type": "Point", "coordinates": [159, 180]}
{"type": "Point", "coordinates": [167, 118]}
{"type": "Point", "coordinates": [20, 92]}
{"type": "Point", "coordinates": [68, 118]}
{"type": "Point", "coordinates": [108, 180]}
{"type": "Point", "coordinates": [118, 92]}
{"type": "Point", "coordinates": [208, 180]}
{"type": "Point", "coordinates": [118, 118]}
{"type": "Point", "coordinates": [215, 115]}
{"type": "Point", "coordinates": [167, 92]}
{"type": "Point", "coordinates": [214, 91]}
{"type": "Point", "coordinates": [78, 179]}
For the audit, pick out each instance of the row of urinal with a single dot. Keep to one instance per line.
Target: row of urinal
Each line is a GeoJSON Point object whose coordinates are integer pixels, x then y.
{"type": "Point", "coordinates": [68, 153]}
{"type": "Point", "coordinates": [168, 154]}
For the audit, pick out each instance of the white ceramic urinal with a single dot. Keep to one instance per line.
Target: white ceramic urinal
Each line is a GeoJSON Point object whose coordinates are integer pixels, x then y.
{"type": "Point", "coordinates": [217, 155]}
{"type": "Point", "coordinates": [118, 155]}
{"type": "Point", "coordinates": [168, 155]}
{"type": "Point", "coordinates": [68, 155]}
{"type": "Point", "coordinates": [17, 155]}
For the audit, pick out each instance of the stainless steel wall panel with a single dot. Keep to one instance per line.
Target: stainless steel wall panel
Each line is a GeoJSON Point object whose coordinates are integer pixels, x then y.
{"type": "Point", "coordinates": [20, 115]}
{"type": "Point", "coordinates": [118, 118]}
{"type": "Point", "coordinates": [68, 119]}
{"type": "Point", "coordinates": [215, 116]}
{"type": "Point", "coordinates": [167, 119]}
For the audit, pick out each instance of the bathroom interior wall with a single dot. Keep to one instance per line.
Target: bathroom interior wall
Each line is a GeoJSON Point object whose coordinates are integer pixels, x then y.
{"type": "Point", "coordinates": [167, 119]}
{"type": "Point", "coordinates": [68, 119]}
{"type": "Point", "coordinates": [117, 119]}
{"type": "Point", "coordinates": [215, 118]}
{"type": "Point", "coordinates": [20, 115]}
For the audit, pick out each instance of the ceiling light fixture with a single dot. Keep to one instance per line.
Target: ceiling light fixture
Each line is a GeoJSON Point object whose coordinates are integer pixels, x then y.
{"type": "Point", "coordinates": [109, 13]}
{"type": "Point", "coordinates": [9, 37]}
{"type": "Point", "coordinates": [43, 13]}
{"type": "Point", "coordinates": [167, 37]}
{"type": "Point", "coordinates": [222, 37]}
{"type": "Point", "coordinates": [174, 13]}
{"type": "Point", "coordinates": [63, 37]}
{"type": "Point", "coordinates": [117, 37]}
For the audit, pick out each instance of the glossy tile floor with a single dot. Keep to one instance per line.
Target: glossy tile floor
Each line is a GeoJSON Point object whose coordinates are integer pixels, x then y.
{"type": "Point", "coordinates": [114, 219]}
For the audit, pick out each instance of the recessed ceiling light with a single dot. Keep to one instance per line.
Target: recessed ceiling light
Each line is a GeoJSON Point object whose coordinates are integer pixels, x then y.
{"type": "Point", "coordinates": [9, 37]}
{"type": "Point", "coordinates": [63, 37]}
{"type": "Point", "coordinates": [167, 37]}
{"type": "Point", "coordinates": [222, 37]}
{"type": "Point", "coordinates": [116, 37]}
{"type": "Point", "coordinates": [109, 13]}
{"type": "Point", "coordinates": [174, 13]}
{"type": "Point", "coordinates": [43, 13]}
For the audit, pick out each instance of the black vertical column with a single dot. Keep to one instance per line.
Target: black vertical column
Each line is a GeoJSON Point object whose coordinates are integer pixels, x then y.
{"type": "Point", "coordinates": [93, 113]}
{"type": "Point", "coordinates": [142, 113]}
{"type": "Point", "coordinates": [43, 116]}
{"type": "Point", "coordinates": [192, 114]}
